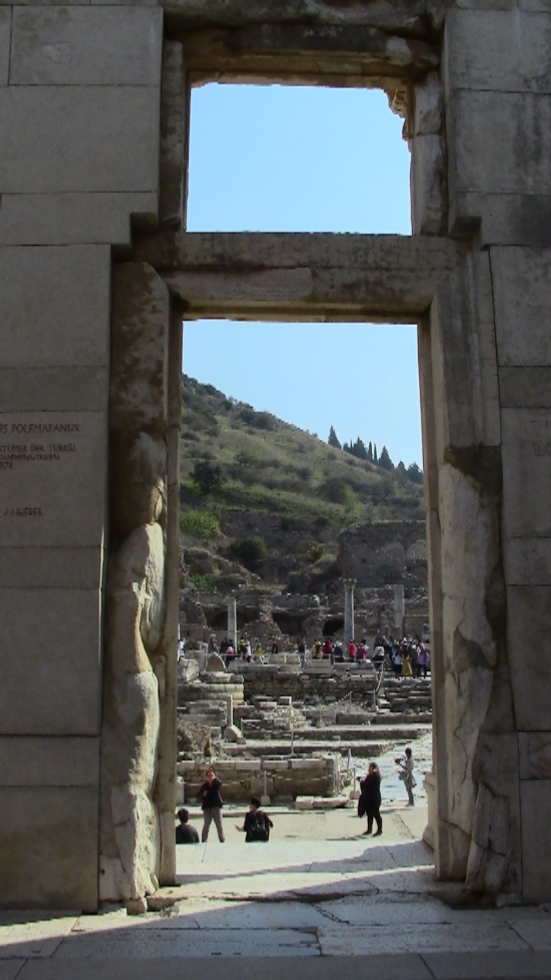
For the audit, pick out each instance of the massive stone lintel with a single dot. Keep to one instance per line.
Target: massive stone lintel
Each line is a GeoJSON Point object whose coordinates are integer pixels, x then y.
{"type": "Point", "coordinates": [417, 17]}
{"type": "Point", "coordinates": [303, 277]}
{"type": "Point", "coordinates": [321, 53]}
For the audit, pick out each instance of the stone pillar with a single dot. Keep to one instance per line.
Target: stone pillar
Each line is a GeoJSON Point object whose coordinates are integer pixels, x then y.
{"type": "Point", "coordinates": [232, 621]}
{"type": "Point", "coordinates": [229, 704]}
{"type": "Point", "coordinates": [399, 609]}
{"type": "Point", "coordinates": [349, 585]}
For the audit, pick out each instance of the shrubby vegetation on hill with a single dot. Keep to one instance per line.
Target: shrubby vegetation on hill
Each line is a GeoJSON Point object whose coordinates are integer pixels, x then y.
{"type": "Point", "coordinates": [236, 457]}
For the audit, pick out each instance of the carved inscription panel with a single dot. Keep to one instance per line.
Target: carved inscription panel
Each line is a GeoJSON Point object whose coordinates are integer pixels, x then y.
{"type": "Point", "coordinates": [53, 478]}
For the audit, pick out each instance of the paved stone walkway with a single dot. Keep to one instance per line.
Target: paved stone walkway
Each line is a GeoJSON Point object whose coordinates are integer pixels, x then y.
{"type": "Point", "coordinates": [305, 908]}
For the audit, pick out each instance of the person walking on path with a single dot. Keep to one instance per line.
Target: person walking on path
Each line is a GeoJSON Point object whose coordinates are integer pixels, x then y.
{"type": "Point", "coordinates": [370, 799]}
{"type": "Point", "coordinates": [211, 803]}
{"type": "Point", "coordinates": [406, 775]}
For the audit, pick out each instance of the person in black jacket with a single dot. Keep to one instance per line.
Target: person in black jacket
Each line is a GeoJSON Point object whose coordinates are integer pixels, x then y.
{"type": "Point", "coordinates": [211, 803]}
{"type": "Point", "coordinates": [257, 824]}
{"type": "Point", "coordinates": [370, 797]}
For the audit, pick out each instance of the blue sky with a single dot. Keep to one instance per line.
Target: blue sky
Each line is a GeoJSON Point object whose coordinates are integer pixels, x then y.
{"type": "Point", "coordinates": [273, 158]}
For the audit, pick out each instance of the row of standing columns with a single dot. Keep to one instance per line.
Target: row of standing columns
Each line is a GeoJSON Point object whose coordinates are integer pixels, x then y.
{"type": "Point", "coordinates": [349, 633]}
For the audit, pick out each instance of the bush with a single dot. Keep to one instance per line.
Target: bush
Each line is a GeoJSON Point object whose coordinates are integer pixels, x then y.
{"type": "Point", "coordinates": [207, 476]}
{"type": "Point", "coordinates": [201, 524]}
{"type": "Point", "coordinates": [200, 582]}
{"type": "Point", "coordinates": [335, 491]}
{"type": "Point", "coordinates": [251, 551]}
{"type": "Point", "coordinates": [315, 551]}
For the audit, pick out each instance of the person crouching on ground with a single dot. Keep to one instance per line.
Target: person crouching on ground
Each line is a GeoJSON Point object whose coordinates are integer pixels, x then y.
{"type": "Point", "coordinates": [211, 803]}
{"type": "Point", "coordinates": [257, 824]}
{"type": "Point", "coordinates": [185, 834]}
{"type": "Point", "coordinates": [370, 799]}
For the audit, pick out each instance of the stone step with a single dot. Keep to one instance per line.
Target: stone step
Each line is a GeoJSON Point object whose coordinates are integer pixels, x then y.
{"type": "Point", "coordinates": [302, 747]}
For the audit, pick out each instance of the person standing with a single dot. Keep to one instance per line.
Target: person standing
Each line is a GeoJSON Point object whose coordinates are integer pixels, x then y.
{"type": "Point", "coordinates": [370, 797]}
{"type": "Point", "coordinates": [211, 803]}
{"type": "Point", "coordinates": [406, 775]}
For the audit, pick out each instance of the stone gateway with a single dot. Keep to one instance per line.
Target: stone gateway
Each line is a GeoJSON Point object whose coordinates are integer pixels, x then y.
{"type": "Point", "coordinates": [97, 272]}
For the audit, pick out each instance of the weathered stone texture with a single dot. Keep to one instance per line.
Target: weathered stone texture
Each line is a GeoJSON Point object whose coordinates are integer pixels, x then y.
{"type": "Point", "coordinates": [354, 54]}
{"type": "Point", "coordinates": [501, 49]}
{"type": "Point", "coordinates": [5, 29]}
{"type": "Point", "coordinates": [464, 360]}
{"type": "Point", "coordinates": [303, 276]}
{"type": "Point", "coordinates": [54, 568]}
{"type": "Point", "coordinates": [135, 680]}
{"type": "Point", "coordinates": [73, 219]}
{"type": "Point", "coordinates": [79, 139]}
{"type": "Point", "coordinates": [429, 195]}
{"type": "Point", "coordinates": [174, 109]}
{"type": "Point", "coordinates": [536, 844]}
{"type": "Point", "coordinates": [528, 632]}
{"type": "Point", "coordinates": [27, 761]}
{"type": "Point", "coordinates": [428, 110]}
{"type": "Point", "coordinates": [522, 283]}
{"type": "Point", "coordinates": [51, 650]}
{"type": "Point", "coordinates": [38, 858]}
{"type": "Point", "coordinates": [139, 350]}
{"type": "Point", "coordinates": [535, 755]}
{"type": "Point", "coordinates": [66, 325]}
{"type": "Point", "coordinates": [86, 46]}
{"type": "Point", "coordinates": [526, 470]}
{"type": "Point", "coordinates": [497, 84]}
{"type": "Point", "coordinates": [404, 16]}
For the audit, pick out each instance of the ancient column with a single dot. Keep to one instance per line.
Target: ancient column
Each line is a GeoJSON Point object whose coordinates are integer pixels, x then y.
{"type": "Point", "coordinates": [232, 621]}
{"type": "Point", "coordinates": [349, 584]}
{"type": "Point", "coordinates": [399, 609]}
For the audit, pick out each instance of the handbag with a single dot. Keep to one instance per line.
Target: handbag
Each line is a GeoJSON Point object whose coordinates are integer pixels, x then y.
{"type": "Point", "coordinates": [361, 807]}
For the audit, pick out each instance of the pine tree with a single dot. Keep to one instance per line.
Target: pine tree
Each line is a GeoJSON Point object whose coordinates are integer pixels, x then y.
{"type": "Point", "coordinates": [333, 439]}
{"type": "Point", "coordinates": [359, 450]}
{"type": "Point", "coordinates": [415, 474]}
{"type": "Point", "coordinates": [384, 460]}
{"type": "Point", "coordinates": [375, 460]}
{"type": "Point", "coordinates": [370, 453]}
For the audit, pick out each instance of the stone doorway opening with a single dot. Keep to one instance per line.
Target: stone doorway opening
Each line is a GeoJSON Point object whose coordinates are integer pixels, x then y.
{"type": "Point", "coordinates": [323, 723]}
{"type": "Point", "coordinates": [217, 219]}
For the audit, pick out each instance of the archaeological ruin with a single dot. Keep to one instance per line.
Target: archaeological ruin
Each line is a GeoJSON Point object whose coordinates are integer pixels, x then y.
{"type": "Point", "coordinates": [97, 273]}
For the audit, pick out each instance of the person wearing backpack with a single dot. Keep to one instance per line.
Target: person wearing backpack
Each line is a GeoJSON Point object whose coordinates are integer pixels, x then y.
{"type": "Point", "coordinates": [257, 824]}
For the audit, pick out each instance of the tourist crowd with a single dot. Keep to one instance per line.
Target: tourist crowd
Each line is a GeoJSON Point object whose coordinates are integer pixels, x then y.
{"type": "Point", "coordinates": [408, 657]}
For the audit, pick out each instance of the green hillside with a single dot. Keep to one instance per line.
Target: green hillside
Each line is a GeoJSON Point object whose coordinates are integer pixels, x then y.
{"type": "Point", "coordinates": [235, 457]}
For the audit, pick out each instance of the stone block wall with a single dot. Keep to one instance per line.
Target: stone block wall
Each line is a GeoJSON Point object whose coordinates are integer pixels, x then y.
{"type": "Point", "coordinates": [93, 145]}
{"type": "Point", "coordinates": [489, 513]}
{"type": "Point", "coordinates": [80, 97]}
{"type": "Point", "coordinates": [279, 778]}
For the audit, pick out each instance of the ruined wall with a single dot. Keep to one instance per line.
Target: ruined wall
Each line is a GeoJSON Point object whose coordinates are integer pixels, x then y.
{"type": "Point", "coordinates": [384, 551]}
{"type": "Point", "coordinates": [279, 778]}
